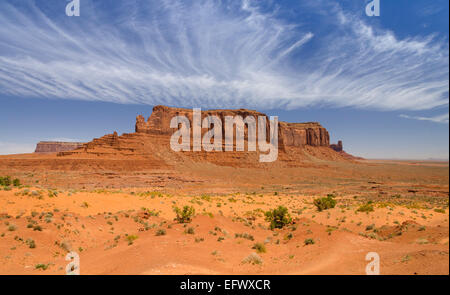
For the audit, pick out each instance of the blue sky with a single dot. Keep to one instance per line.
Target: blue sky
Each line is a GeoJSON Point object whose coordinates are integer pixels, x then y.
{"type": "Point", "coordinates": [378, 83]}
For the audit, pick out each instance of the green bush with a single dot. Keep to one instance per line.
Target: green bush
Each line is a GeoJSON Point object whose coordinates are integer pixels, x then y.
{"type": "Point", "coordinates": [325, 203]}
{"type": "Point", "coordinates": [278, 217]}
{"type": "Point", "coordinates": [31, 243]}
{"type": "Point", "coordinates": [260, 247]}
{"type": "Point", "coordinates": [131, 238]}
{"type": "Point", "coordinates": [5, 181]}
{"type": "Point", "coordinates": [189, 231]}
{"type": "Point", "coordinates": [161, 232]}
{"type": "Point", "coordinates": [244, 236]}
{"type": "Point", "coordinates": [309, 242]}
{"type": "Point", "coordinates": [41, 266]}
{"type": "Point", "coordinates": [366, 207]}
{"type": "Point", "coordinates": [185, 215]}
{"type": "Point", "coordinates": [16, 182]}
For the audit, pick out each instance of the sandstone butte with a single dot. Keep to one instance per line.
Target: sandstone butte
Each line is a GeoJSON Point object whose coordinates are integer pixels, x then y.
{"type": "Point", "coordinates": [151, 141]}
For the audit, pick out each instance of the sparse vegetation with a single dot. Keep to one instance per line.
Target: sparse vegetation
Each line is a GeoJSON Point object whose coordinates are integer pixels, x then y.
{"type": "Point", "coordinates": [253, 258]}
{"type": "Point", "coordinates": [161, 232]}
{"type": "Point", "coordinates": [309, 242]}
{"type": "Point", "coordinates": [5, 181]}
{"type": "Point", "coordinates": [244, 236]}
{"type": "Point", "coordinates": [278, 217]}
{"type": "Point", "coordinates": [325, 203]}
{"type": "Point", "coordinates": [368, 207]}
{"type": "Point", "coordinates": [37, 228]}
{"type": "Point", "coordinates": [41, 266]}
{"type": "Point", "coordinates": [288, 236]}
{"type": "Point", "coordinates": [131, 238]}
{"type": "Point", "coordinates": [190, 231]}
{"type": "Point", "coordinates": [259, 247]}
{"type": "Point", "coordinates": [185, 215]}
{"type": "Point", "coordinates": [31, 243]}
{"type": "Point", "coordinates": [370, 227]}
{"type": "Point", "coordinates": [16, 182]}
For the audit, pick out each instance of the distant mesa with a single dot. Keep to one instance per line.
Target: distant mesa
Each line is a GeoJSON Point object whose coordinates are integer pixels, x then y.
{"type": "Point", "coordinates": [297, 142]}
{"type": "Point", "coordinates": [290, 134]}
{"type": "Point", "coordinates": [46, 147]}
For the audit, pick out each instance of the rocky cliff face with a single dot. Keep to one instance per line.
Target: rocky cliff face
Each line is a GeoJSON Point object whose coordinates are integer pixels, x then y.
{"type": "Point", "coordinates": [151, 141]}
{"type": "Point", "coordinates": [44, 147]}
{"type": "Point", "coordinates": [337, 147]}
{"type": "Point", "coordinates": [289, 134]}
{"type": "Point", "coordinates": [301, 134]}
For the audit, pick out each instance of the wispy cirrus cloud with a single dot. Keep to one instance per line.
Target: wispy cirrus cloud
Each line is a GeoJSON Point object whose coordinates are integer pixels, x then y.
{"type": "Point", "coordinates": [216, 54]}
{"type": "Point", "coordinates": [436, 119]}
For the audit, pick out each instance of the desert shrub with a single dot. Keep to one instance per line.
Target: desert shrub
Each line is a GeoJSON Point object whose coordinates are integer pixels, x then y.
{"type": "Point", "coordinates": [309, 242]}
{"type": "Point", "coordinates": [31, 243]}
{"type": "Point", "coordinates": [12, 227]}
{"type": "Point", "coordinates": [5, 181]}
{"type": "Point", "coordinates": [16, 182]}
{"type": "Point", "coordinates": [190, 231]}
{"type": "Point", "coordinates": [244, 236]}
{"type": "Point", "coordinates": [131, 238]}
{"type": "Point", "coordinates": [198, 240]}
{"type": "Point", "coordinates": [150, 212]}
{"type": "Point", "coordinates": [161, 232]}
{"type": "Point", "coordinates": [438, 210]}
{"type": "Point", "coordinates": [288, 236]}
{"type": "Point", "coordinates": [65, 245]}
{"type": "Point", "coordinates": [185, 215]}
{"type": "Point", "coordinates": [259, 247]}
{"type": "Point", "coordinates": [368, 207]}
{"type": "Point", "coordinates": [325, 203]}
{"type": "Point", "coordinates": [52, 194]}
{"type": "Point", "coordinates": [41, 266]}
{"type": "Point", "coordinates": [278, 217]}
{"type": "Point", "coordinates": [253, 259]}
{"type": "Point", "coordinates": [206, 198]}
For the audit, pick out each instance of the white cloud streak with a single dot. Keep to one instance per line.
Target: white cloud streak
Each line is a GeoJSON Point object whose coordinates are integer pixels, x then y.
{"type": "Point", "coordinates": [216, 55]}
{"type": "Point", "coordinates": [444, 118]}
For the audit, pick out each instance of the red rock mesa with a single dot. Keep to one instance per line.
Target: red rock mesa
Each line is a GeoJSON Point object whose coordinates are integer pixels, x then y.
{"type": "Point", "coordinates": [151, 140]}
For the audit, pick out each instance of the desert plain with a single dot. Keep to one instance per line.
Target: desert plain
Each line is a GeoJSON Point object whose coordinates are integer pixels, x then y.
{"type": "Point", "coordinates": [115, 207]}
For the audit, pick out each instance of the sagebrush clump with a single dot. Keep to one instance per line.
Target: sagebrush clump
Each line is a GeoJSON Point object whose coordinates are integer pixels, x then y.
{"type": "Point", "coordinates": [7, 181]}
{"type": "Point", "coordinates": [185, 215]}
{"type": "Point", "coordinates": [259, 247]}
{"type": "Point", "coordinates": [309, 242]}
{"type": "Point", "coordinates": [325, 203]}
{"type": "Point", "coordinates": [278, 217]}
{"type": "Point", "coordinates": [253, 258]}
{"type": "Point", "coordinates": [368, 207]}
